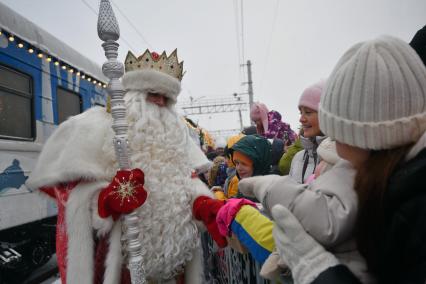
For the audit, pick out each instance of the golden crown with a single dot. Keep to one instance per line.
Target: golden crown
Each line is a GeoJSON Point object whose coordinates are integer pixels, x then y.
{"type": "Point", "coordinates": [151, 60]}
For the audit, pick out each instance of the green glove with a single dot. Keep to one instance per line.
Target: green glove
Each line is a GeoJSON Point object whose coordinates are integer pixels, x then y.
{"type": "Point", "coordinates": [305, 257]}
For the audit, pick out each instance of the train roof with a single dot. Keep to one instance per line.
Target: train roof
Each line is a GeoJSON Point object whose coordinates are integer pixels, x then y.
{"type": "Point", "coordinates": [19, 26]}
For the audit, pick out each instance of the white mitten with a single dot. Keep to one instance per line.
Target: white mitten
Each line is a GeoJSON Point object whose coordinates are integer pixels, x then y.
{"type": "Point", "coordinates": [257, 186]}
{"type": "Point", "coordinates": [305, 257]}
{"type": "Point", "coordinates": [273, 267]}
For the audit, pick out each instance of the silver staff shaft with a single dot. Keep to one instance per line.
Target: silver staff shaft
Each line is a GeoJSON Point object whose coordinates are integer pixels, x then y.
{"type": "Point", "coordinates": [109, 32]}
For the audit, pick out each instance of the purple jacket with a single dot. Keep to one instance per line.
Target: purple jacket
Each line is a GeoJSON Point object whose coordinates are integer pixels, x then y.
{"type": "Point", "coordinates": [278, 129]}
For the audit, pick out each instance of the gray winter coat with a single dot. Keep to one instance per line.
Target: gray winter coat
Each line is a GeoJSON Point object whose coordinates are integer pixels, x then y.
{"type": "Point", "coordinates": [326, 208]}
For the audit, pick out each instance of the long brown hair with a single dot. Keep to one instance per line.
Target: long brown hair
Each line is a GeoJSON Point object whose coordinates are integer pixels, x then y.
{"type": "Point", "coordinates": [371, 183]}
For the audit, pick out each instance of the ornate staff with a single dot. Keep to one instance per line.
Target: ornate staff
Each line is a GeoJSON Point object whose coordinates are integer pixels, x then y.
{"type": "Point", "coordinates": [109, 32]}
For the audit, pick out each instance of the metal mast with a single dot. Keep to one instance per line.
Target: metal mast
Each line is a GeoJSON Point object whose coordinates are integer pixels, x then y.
{"type": "Point", "coordinates": [250, 86]}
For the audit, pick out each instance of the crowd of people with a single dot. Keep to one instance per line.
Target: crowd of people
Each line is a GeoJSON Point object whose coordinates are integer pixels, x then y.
{"type": "Point", "coordinates": [341, 201]}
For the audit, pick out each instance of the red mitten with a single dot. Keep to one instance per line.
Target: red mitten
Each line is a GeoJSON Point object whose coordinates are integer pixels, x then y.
{"type": "Point", "coordinates": [205, 209]}
{"type": "Point", "coordinates": [123, 195]}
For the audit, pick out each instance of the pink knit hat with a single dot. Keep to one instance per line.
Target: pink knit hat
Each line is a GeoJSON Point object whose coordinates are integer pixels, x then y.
{"type": "Point", "coordinates": [258, 112]}
{"type": "Point", "coordinates": [311, 96]}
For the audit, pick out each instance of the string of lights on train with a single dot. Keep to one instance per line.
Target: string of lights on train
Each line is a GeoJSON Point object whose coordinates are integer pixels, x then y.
{"type": "Point", "coordinates": [57, 62]}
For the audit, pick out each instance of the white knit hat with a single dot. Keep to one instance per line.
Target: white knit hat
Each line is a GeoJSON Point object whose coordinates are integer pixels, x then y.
{"type": "Point", "coordinates": [375, 97]}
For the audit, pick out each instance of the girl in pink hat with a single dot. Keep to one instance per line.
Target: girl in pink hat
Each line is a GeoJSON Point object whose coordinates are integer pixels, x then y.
{"type": "Point", "coordinates": [305, 161]}
{"type": "Point", "coordinates": [269, 124]}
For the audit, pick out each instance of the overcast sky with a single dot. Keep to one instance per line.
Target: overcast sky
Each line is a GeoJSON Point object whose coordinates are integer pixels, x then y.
{"type": "Point", "coordinates": [291, 44]}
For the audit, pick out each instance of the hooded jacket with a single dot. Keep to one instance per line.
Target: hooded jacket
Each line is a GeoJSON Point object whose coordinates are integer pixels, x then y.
{"type": "Point", "coordinates": [286, 159]}
{"type": "Point", "coordinates": [258, 149]}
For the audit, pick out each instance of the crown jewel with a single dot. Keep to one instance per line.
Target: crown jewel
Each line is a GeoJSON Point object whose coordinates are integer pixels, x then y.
{"type": "Point", "coordinates": [152, 60]}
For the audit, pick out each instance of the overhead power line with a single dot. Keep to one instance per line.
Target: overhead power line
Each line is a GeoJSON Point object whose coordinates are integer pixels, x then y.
{"type": "Point", "coordinates": [237, 34]}
{"type": "Point", "coordinates": [218, 105]}
{"type": "Point", "coordinates": [96, 13]}
{"type": "Point", "coordinates": [268, 48]}
{"type": "Point", "coordinates": [90, 7]}
{"type": "Point", "coordinates": [242, 31]}
{"type": "Point", "coordinates": [224, 132]}
{"type": "Point", "coordinates": [132, 25]}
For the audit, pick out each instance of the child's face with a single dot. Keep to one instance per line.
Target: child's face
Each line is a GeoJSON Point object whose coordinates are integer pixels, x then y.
{"type": "Point", "coordinates": [244, 170]}
{"type": "Point", "coordinates": [356, 156]}
{"type": "Point", "coordinates": [309, 121]}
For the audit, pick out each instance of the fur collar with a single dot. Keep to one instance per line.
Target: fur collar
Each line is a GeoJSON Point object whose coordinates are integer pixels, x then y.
{"type": "Point", "coordinates": [75, 151]}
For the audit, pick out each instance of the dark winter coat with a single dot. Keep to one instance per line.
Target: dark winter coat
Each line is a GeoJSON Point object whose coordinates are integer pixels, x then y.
{"type": "Point", "coordinates": [402, 249]}
{"type": "Point", "coordinates": [418, 43]}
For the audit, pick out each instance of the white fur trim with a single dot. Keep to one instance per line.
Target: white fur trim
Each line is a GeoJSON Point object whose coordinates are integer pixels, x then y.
{"type": "Point", "coordinates": [198, 159]}
{"type": "Point", "coordinates": [199, 189]}
{"type": "Point", "coordinates": [80, 256]}
{"type": "Point", "coordinates": [194, 269]}
{"type": "Point", "coordinates": [114, 258]}
{"type": "Point", "coordinates": [75, 151]}
{"type": "Point", "coordinates": [152, 80]}
{"type": "Point", "coordinates": [80, 253]}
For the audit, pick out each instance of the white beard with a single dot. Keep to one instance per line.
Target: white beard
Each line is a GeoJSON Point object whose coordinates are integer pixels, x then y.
{"type": "Point", "coordinates": [157, 142]}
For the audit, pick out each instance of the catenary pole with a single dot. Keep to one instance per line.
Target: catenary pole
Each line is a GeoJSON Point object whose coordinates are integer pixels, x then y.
{"type": "Point", "coordinates": [250, 87]}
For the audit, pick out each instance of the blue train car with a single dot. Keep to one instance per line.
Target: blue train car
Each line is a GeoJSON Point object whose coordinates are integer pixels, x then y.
{"type": "Point", "coordinates": [42, 82]}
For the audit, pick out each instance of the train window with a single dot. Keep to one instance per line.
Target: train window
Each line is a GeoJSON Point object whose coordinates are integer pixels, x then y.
{"type": "Point", "coordinates": [68, 104]}
{"type": "Point", "coordinates": [16, 105]}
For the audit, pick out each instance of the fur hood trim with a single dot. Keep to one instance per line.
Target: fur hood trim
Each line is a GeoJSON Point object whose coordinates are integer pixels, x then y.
{"type": "Point", "coordinates": [75, 151]}
{"type": "Point", "coordinates": [152, 80]}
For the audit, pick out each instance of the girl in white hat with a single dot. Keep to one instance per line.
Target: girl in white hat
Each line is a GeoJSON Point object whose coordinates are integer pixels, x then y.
{"type": "Point", "coordinates": [374, 106]}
